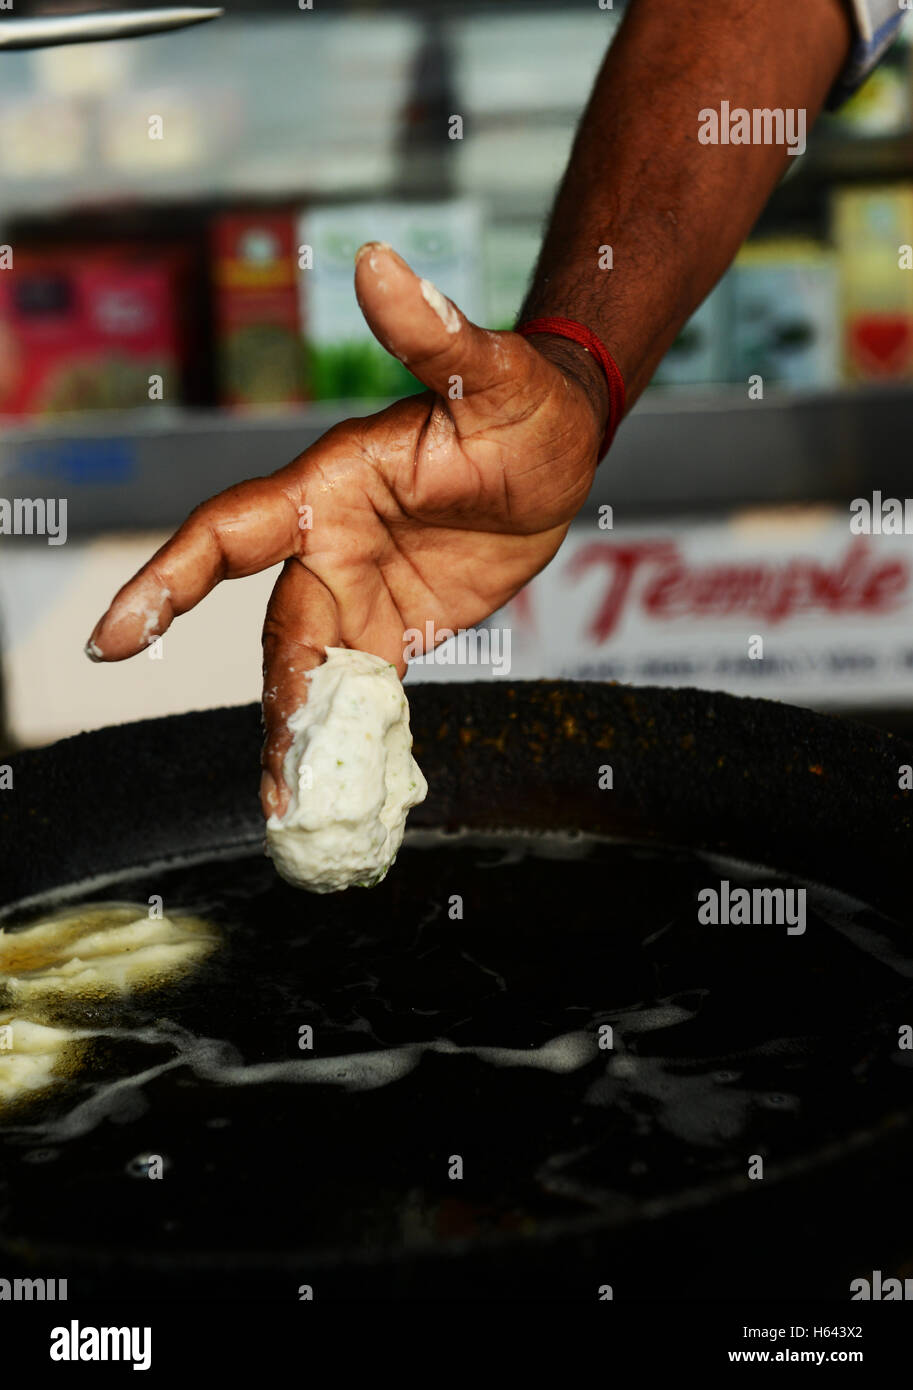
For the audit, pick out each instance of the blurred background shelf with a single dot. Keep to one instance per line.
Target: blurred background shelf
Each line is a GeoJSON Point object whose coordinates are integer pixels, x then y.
{"type": "Point", "coordinates": [321, 115]}
{"type": "Point", "coordinates": [676, 454]}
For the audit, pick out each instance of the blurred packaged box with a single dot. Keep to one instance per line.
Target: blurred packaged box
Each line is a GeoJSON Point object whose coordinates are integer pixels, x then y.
{"type": "Point", "coordinates": [784, 313]}
{"type": "Point", "coordinates": [870, 226]}
{"type": "Point", "coordinates": [255, 280]}
{"type": "Point", "coordinates": [89, 329]}
{"type": "Point", "coordinates": [883, 105]}
{"type": "Point", "coordinates": [43, 137]}
{"type": "Point", "coordinates": [700, 352]}
{"type": "Point", "coordinates": [441, 241]}
{"type": "Point", "coordinates": [143, 133]}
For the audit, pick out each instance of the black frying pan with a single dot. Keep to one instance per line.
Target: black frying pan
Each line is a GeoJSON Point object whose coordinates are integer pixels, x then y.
{"type": "Point", "coordinates": [810, 798]}
{"type": "Point", "coordinates": [766, 782]}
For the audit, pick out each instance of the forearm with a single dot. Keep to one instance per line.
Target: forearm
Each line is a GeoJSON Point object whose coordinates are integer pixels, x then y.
{"type": "Point", "coordinates": [673, 210]}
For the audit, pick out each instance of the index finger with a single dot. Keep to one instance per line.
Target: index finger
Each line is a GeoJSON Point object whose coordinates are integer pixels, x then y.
{"type": "Point", "coordinates": [239, 532]}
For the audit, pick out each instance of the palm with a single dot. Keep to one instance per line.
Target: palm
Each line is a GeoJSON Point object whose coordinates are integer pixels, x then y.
{"type": "Point", "coordinates": [435, 527]}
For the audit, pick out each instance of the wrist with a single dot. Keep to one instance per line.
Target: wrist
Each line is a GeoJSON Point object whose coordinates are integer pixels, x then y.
{"type": "Point", "coordinates": [575, 361]}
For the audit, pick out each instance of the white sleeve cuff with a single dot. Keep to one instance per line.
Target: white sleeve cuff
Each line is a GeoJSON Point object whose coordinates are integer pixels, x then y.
{"type": "Point", "coordinates": [877, 23]}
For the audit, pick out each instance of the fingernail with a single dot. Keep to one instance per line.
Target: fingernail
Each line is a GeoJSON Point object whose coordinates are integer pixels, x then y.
{"type": "Point", "coordinates": [372, 246]}
{"type": "Point", "coordinates": [93, 651]}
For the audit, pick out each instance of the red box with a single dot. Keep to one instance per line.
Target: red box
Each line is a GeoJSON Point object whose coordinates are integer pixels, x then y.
{"type": "Point", "coordinates": [86, 329]}
{"type": "Point", "coordinates": [255, 277]}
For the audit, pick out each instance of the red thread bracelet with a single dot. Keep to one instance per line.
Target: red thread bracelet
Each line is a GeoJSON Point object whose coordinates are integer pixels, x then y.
{"type": "Point", "coordinates": [579, 333]}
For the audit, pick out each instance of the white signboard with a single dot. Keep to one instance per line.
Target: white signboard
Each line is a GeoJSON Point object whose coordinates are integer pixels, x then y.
{"type": "Point", "coordinates": [787, 605]}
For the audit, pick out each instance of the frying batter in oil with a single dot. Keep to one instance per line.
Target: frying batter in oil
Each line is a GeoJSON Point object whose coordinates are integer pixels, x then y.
{"type": "Point", "coordinates": [351, 775]}
{"type": "Point", "coordinates": [72, 960]}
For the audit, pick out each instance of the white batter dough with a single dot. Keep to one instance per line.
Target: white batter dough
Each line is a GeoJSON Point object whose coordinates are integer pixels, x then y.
{"type": "Point", "coordinates": [75, 958]}
{"type": "Point", "coordinates": [97, 950]}
{"type": "Point", "coordinates": [351, 776]}
{"type": "Point", "coordinates": [32, 1056]}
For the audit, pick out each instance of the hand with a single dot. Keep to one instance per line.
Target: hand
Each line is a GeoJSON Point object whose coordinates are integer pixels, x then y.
{"type": "Point", "coordinates": [435, 508]}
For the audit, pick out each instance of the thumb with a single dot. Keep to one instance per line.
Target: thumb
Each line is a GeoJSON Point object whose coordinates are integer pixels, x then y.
{"type": "Point", "coordinates": [416, 323]}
